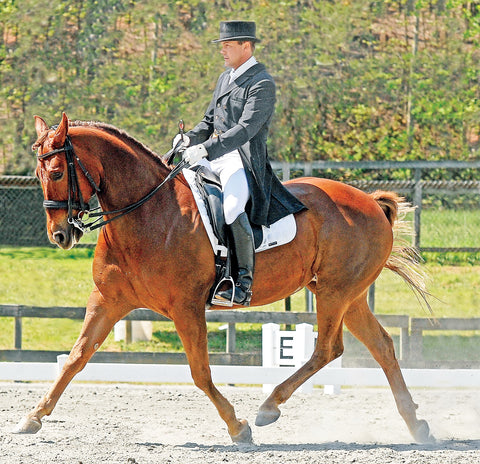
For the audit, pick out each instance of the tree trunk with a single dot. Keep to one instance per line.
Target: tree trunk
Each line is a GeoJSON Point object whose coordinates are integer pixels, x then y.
{"type": "Point", "coordinates": [411, 79]}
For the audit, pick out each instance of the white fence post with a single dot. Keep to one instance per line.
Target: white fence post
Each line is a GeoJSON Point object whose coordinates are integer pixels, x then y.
{"type": "Point", "coordinates": [61, 360]}
{"type": "Point", "coordinates": [287, 348]}
{"type": "Point", "coordinates": [303, 349]}
{"type": "Point", "coordinates": [141, 331]}
{"type": "Point", "coordinates": [292, 349]}
{"type": "Point", "coordinates": [333, 389]}
{"type": "Point", "coordinates": [270, 340]}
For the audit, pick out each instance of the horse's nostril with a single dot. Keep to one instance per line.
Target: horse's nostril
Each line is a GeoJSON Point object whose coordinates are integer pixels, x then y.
{"type": "Point", "coordinates": [59, 237]}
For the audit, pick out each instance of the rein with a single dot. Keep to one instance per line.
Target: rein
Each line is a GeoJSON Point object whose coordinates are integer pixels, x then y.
{"type": "Point", "coordinates": [75, 198]}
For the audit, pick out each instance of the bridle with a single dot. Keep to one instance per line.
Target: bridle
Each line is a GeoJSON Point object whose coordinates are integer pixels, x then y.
{"type": "Point", "coordinates": [75, 198]}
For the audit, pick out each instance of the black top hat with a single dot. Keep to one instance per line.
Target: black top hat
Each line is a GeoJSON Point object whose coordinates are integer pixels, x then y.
{"type": "Point", "coordinates": [237, 30]}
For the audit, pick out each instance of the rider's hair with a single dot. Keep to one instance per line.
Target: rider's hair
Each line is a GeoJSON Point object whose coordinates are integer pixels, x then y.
{"type": "Point", "coordinates": [252, 43]}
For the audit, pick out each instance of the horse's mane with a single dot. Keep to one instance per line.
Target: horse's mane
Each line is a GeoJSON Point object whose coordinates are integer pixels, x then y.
{"type": "Point", "coordinates": [117, 133]}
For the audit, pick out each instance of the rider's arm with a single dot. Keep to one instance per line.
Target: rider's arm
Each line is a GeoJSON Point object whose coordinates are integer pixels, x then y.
{"type": "Point", "coordinates": [257, 111]}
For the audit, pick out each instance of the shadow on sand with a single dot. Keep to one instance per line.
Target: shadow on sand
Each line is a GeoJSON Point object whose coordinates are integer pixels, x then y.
{"type": "Point", "coordinates": [439, 445]}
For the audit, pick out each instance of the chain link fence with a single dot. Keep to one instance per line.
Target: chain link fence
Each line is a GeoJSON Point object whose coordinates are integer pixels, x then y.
{"type": "Point", "coordinates": [445, 194]}
{"type": "Point", "coordinates": [446, 218]}
{"type": "Point", "coordinates": [22, 218]}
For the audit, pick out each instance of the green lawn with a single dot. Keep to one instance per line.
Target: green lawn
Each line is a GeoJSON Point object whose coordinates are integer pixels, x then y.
{"type": "Point", "coordinates": [52, 277]}
{"type": "Point", "coordinates": [45, 276]}
{"type": "Point", "coordinates": [450, 228]}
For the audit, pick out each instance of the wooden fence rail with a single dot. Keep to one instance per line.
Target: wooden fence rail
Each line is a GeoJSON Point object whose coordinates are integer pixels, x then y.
{"type": "Point", "coordinates": [419, 325]}
{"type": "Point", "coordinates": [410, 352]}
{"type": "Point", "coordinates": [231, 317]}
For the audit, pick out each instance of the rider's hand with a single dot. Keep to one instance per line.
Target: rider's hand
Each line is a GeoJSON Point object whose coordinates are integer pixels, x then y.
{"type": "Point", "coordinates": [177, 138]}
{"type": "Point", "coordinates": [194, 154]}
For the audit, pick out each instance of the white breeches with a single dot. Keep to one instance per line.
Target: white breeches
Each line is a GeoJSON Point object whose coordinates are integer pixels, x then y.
{"type": "Point", "coordinates": [229, 168]}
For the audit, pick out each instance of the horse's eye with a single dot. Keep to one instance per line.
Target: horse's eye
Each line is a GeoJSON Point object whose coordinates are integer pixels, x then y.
{"type": "Point", "coordinates": [56, 175]}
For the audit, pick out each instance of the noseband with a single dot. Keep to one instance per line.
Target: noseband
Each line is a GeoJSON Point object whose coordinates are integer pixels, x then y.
{"type": "Point", "coordinates": [75, 198]}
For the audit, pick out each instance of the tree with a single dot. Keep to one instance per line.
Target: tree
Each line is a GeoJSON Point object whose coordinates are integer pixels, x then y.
{"type": "Point", "coordinates": [397, 79]}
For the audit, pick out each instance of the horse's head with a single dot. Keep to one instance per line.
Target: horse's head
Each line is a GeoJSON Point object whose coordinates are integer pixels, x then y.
{"type": "Point", "coordinates": [67, 185]}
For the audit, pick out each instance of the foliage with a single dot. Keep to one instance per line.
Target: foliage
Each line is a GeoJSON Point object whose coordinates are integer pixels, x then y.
{"type": "Point", "coordinates": [356, 80]}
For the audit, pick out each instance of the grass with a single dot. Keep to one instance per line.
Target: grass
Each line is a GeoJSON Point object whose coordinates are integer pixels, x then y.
{"type": "Point", "coordinates": [52, 277]}
{"type": "Point", "coordinates": [455, 290]}
{"type": "Point", "coordinates": [45, 276]}
{"type": "Point", "coordinates": [450, 228]}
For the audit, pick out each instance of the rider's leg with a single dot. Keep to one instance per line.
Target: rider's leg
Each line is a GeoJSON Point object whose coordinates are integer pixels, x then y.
{"type": "Point", "coordinates": [244, 249]}
{"type": "Point", "coordinates": [236, 195]}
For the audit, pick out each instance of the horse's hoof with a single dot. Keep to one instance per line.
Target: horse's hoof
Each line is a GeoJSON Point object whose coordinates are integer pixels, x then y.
{"type": "Point", "coordinates": [422, 433]}
{"type": "Point", "coordinates": [245, 434]}
{"type": "Point", "coordinates": [28, 425]}
{"type": "Point", "coordinates": [267, 416]}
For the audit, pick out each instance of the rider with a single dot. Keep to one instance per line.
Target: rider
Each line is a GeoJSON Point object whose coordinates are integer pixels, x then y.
{"type": "Point", "coordinates": [232, 136]}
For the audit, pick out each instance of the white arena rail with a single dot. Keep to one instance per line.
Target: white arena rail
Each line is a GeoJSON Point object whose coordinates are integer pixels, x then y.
{"type": "Point", "coordinates": [250, 375]}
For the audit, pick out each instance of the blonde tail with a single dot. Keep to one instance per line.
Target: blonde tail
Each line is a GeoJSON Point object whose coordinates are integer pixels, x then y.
{"type": "Point", "coordinates": [404, 260]}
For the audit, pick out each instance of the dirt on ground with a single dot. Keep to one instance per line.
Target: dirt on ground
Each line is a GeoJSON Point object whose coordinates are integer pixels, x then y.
{"type": "Point", "coordinates": [156, 424]}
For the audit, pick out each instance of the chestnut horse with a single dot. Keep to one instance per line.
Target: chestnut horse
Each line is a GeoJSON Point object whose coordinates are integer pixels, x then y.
{"type": "Point", "coordinates": [159, 256]}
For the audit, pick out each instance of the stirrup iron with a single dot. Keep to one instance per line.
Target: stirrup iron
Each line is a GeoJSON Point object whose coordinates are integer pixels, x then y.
{"type": "Point", "coordinates": [215, 301]}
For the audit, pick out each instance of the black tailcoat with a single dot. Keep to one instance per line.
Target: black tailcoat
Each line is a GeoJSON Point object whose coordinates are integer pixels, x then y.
{"type": "Point", "coordinates": [238, 117]}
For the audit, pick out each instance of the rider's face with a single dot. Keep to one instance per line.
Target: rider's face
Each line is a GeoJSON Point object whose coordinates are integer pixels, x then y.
{"type": "Point", "coordinates": [235, 54]}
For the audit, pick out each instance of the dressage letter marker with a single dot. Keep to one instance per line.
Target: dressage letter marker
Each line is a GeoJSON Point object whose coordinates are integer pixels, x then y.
{"type": "Point", "coordinates": [282, 348]}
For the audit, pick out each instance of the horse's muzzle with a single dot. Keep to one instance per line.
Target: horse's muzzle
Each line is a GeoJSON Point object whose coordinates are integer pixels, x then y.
{"type": "Point", "coordinates": [67, 237]}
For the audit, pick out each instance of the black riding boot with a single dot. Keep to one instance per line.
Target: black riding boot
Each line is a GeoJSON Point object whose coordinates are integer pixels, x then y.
{"type": "Point", "coordinates": [244, 250]}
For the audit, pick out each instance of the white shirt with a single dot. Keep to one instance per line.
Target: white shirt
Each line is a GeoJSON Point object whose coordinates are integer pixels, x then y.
{"type": "Point", "coordinates": [235, 73]}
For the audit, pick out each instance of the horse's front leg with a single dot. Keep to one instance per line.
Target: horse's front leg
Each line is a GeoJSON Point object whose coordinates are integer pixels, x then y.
{"type": "Point", "coordinates": [193, 333]}
{"type": "Point", "coordinates": [99, 321]}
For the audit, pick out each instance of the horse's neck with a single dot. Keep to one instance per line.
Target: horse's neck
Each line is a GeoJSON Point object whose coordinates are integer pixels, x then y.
{"type": "Point", "coordinates": [151, 229]}
{"type": "Point", "coordinates": [129, 174]}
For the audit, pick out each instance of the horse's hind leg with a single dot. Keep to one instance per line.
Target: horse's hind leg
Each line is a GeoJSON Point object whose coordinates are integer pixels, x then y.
{"type": "Point", "coordinates": [364, 326]}
{"type": "Point", "coordinates": [329, 346]}
{"type": "Point", "coordinates": [193, 333]}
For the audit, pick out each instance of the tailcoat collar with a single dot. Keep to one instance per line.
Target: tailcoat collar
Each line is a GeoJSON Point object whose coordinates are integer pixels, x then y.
{"type": "Point", "coordinates": [255, 69]}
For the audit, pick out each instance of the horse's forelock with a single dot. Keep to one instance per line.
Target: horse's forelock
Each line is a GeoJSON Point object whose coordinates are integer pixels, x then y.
{"type": "Point", "coordinates": [40, 141]}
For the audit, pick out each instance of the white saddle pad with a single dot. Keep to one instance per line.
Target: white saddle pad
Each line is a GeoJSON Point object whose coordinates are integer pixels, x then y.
{"type": "Point", "coordinates": [279, 233]}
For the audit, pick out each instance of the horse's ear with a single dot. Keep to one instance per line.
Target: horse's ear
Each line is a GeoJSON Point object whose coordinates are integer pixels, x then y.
{"type": "Point", "coordinates": [61, 133]}
{"type": "Point", "coordinates": [40, 125]}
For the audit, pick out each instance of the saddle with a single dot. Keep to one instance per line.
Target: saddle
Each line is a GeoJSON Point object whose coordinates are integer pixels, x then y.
{"type": "Point", "coordinates": [207, 191]}
{"type": "Point", "coordinates": [210, 188]}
